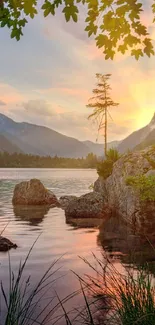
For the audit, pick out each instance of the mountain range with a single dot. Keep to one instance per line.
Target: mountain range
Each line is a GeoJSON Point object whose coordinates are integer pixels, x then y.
{"type": "Point", "coordinates": [33, 139]}
{"type": "Point", "coordinates": [40, 140]}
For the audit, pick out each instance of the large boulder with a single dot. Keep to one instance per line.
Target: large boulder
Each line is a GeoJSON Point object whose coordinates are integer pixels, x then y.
{"type": "Point", "coordinates": [90, 205]}
{"type": "Point", "coordinates": [33, 192]}
{"type": "Point", "coordinates": [125, 199]}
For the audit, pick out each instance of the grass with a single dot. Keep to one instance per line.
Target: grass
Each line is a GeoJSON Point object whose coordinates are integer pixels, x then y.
{"type": "Point", "coordinates": [109, 297]}
{"type": "Point", "coordinates": [22, 303]}
{"type": "Point", "coordinates": [123, 299]}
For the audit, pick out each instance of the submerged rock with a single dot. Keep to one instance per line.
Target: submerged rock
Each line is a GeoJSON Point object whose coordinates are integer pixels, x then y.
{"type": "Point", "coordinates": [84, 222]}
{"type": "Point", "coordinates": [90, 205]}
{"type": "Point", "coordinates": [6, 244]}
{"type": "Point", "coordinates": [33, 215]}
{"type": "Point", "coordinates": [33, 192]}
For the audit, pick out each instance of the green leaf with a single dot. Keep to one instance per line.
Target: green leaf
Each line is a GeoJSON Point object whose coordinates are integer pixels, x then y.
{"type": "Point", "coordinates": [28, 7]}
{"type": "Point", "coordinates": [52, 9]}
{"type": "Point", "coordinates": [137, 53]}
{"type": "Point", "coordinates": [3, 23]}
{"type": "Point", "coordinates": [122, 10]}
{"type": "Point", "coordinates": [75, 17]}
{"type": "Point", "coordinates": [102, 40]}
{"type": "Point", "coordinates": [47, 11]}
{"type": "Point", "coordinates": [153, 8]}
{"type": "Point", "coordinates": [109, 54]}
{"type": "Point", "coordinates": [13, 33]}
{"type": "Point", "coordinates": [45, 5]}
{"type": "Point", "coordinates": [22, 22]}
{"type": "Point", "coordinates": [122, 48]}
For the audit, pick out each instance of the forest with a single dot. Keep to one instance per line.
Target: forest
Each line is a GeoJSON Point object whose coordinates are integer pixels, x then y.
{"type": "Point", "coordinates": [20, 160]}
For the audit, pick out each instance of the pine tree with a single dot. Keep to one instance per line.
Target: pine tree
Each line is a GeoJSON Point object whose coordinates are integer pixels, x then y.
{"type": "Point", "coordinates": [101, 102]}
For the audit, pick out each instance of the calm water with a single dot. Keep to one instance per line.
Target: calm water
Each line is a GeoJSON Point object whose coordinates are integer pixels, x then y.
{"type": "Point", "coordinates": [57, 238]}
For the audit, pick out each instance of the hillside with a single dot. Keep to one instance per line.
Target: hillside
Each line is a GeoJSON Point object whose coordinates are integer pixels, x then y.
{"type": "Point", "coordinates": [98, 148]}
{"type": "Point", "coordinates": [138, 137]}
{"type": "Point", "coordinates": [149, 141]}
{"type": "Point", "coordinates": [8, 146]}
{"type": "Point", "coordinates": [39, 140]}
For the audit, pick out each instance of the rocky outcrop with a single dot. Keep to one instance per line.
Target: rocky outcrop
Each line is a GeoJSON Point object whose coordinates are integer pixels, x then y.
{"type": "Point", "coordinates": [33, 192]}
{"type": "Point", "coordinates": [90, 205]}
{"type": "Point", "coordinates": [124, 199]}
{"type": "Point", "coordinates": [65, 201]}
{"type": "Point", "coordinates": [6, 244]}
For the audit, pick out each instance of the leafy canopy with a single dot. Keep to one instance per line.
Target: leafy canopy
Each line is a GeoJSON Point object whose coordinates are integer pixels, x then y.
{"type": "Point", "coordinates": [116, 24]}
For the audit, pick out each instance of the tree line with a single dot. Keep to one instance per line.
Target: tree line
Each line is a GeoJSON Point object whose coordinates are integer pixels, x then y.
{"type": "Point", "coordinates": [20, 160]}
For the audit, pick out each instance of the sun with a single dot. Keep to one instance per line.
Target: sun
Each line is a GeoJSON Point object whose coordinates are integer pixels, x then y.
{"type": "Point", "coordinates": [144, 117]}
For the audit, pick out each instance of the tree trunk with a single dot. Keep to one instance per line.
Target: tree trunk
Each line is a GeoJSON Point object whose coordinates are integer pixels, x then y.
{"type": "Point", "coordinates": [105, 136]}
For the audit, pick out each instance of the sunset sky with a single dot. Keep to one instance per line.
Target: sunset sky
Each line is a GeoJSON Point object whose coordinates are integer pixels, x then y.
{"type": "Point", "coordinates": [47, 78]}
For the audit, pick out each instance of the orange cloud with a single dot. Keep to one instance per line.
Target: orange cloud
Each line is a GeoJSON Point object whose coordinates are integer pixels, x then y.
{"type": "Point", "coordinates": [80, 93]}
{"type": "Point", "coordinates": [9, 94]}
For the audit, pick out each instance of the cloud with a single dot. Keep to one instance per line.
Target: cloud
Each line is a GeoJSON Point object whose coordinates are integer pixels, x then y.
{"type": "Point", "coordinates": [75, 93]}
{"type": "Point", "coordinates": [9, 94]}
{"type": "Point", "coordinates": [38, 106]}
{"type": "Point", "coordinates": [56, 75]}
{"type": "Point", "coordinates": [2, 103]}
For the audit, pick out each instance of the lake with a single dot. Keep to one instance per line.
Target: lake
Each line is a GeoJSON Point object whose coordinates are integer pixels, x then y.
{"type": "Point", "coordinates": [56, 237]}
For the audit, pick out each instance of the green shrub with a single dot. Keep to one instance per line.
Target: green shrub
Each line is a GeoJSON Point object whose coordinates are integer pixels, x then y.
{"type": "Point", "coordinates": [105, 167]}
{"type": "Point", "coordinates": [113, 155]}
{"type": "Point", "coordinates": [144, 184]}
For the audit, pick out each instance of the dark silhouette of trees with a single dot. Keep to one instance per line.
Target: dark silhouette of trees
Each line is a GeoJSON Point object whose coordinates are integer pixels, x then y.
{"type": "Point", "coordinates": [19, 160]}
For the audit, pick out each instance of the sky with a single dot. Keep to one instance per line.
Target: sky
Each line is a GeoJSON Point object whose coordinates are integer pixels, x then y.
{"type": "Point", "coordinates": [47, 78]}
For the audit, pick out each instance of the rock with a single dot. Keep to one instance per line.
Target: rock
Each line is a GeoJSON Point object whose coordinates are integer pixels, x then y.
{"type": "Point", "coordinates": [125, 199]}
{"type": "Point", "coordinates": [33, 192]}
{"type": "Point", "coordinates": [66, 200]}
{"type": "Point", "coordinates": [150, 173]}
{"type": "Point", "coordinates": [6, 244]}
{"type": "Point", "coordinates": [90, 205]}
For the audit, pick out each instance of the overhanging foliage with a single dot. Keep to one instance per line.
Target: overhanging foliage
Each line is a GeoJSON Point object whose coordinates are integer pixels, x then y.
{"type": "Point", "coordinates": [115, 24]}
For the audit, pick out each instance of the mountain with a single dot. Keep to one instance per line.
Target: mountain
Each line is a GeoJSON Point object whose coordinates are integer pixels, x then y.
{"type": "Point", "coordinates": [149, 141]}
{"type": "Point", "coordinates": [138, 137]}
{"type": "Point", "coordinates": [43, 141]}
{"type": "Point", "coordinates": [98, 148]}
{"type": "Point", "coordinates": [8, 146]}
{"type": "Point", "coordinates": [40, 140]}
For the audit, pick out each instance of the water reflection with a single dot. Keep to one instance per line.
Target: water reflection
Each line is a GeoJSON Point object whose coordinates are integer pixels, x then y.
{"type": "Point", "coordinates": [84, 222]}
{"type": "Point", "coordinates": [119, 241]}
{"type": "Point", "coordinates": [34, 215]}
